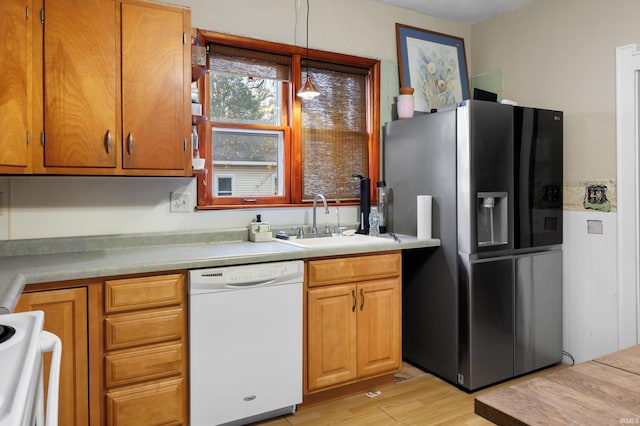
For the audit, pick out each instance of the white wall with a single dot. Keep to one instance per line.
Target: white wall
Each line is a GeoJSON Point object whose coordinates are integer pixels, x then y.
{"type": "Point", "coordinates": [65, 206]}
{"type": "Point", "coordinates": [356, 27]}
{"type": "Point", "coordinates": [590, 297]}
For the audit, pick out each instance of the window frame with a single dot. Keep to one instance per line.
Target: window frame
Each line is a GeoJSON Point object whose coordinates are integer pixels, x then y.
{"type": "Point", "coordinates": [292, 172]}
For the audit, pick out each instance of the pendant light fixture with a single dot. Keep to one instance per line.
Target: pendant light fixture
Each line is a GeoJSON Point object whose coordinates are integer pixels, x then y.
{"type": "Point", "coordinates": [308, 90]}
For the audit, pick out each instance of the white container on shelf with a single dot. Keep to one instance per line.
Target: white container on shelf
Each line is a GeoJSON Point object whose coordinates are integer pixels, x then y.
{"type": "Point", "coordinates": [405, 106]}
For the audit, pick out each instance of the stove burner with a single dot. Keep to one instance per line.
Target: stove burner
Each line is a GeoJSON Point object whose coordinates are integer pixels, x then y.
{"type": "Point", "coordinates": [6, 331]}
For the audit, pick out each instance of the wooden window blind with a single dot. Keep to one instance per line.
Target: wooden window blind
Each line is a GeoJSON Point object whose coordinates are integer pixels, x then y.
{"type": "Point", "coordinates": [245, 62]}
{"type": "Point", "coordinates": [334, 131]}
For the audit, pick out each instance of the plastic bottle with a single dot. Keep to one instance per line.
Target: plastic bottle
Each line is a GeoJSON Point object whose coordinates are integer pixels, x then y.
{"type": "Point", "coordinates": [194, 142]}
{"type": "Point", "coordinates": [374, 222]}
{"type": "Point", "coordinates": [382, 206]}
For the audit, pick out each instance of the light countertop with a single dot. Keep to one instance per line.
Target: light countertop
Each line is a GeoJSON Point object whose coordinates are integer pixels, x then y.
{"type": "Point", "coordinates": [61, 259]}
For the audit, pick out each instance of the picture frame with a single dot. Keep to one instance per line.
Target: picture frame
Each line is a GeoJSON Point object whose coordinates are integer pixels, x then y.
{"type": "Point", "coordinates": [434, 64]}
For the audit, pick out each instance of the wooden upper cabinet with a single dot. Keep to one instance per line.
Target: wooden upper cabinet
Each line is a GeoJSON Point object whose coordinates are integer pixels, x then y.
{"type": "Point", "coordinates": [15, 33]}
{"type": "Point", "coordinates": [156, 75]}
{"type": "Point", "coordinates": [79, 83]}
{"type": "Point", "coordinates": [111, 88]}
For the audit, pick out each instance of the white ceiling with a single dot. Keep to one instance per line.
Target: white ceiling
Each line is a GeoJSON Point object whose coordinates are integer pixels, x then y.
{"type": "Point", "coordinates": [465, 11]}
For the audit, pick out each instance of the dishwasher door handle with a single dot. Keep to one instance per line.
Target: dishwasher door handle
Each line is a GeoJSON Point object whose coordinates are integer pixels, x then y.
{"type": "Point", "coordinates": [250, 284]}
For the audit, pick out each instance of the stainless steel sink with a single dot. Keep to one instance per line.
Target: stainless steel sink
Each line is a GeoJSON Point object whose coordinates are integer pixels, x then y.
{"type": "Point", "coordinates": [337, 241]}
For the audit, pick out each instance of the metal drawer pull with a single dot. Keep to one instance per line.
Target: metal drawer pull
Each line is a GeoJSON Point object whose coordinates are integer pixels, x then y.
{"type": "Point", "coordinates": [353, 294]}
{"type": "Point", "coordinates": [362, 296]}
{"type": "Point", "coordinates": [108, 141]}
{"type": "Point", "coordinates": [130, 143]}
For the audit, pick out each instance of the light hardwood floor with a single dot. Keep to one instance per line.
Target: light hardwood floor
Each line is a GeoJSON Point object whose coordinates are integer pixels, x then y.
{"type": "Point", "coordinates": [423, 400]}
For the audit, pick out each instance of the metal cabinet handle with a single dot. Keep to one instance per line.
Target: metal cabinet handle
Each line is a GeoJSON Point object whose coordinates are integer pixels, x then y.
{"type": "Point", "coordinates": [362, 297]}
{"type": "Point", "coordinates": [353, 294]}
{"type": "Point", "coordinates": [108, 141]}
{"type": "Point", "coordinates": [249, 398]}
{"type": "Point", "coordinates": [130, 143]}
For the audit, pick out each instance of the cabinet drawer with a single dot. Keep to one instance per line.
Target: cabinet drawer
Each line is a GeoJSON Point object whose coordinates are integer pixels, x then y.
{"type": "Point", "coordinates": [126, 330]}
{"type": "Point", "coordinates": [143, 292]}
{"type": "Point", "coordinates": [352, 269]}
{"type": "Point", "coordinates": [158, 403]}
{"type": "Point", "coordinates": [136, 365]}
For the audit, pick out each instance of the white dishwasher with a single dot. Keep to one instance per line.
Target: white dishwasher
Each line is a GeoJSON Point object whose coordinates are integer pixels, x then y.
{"type": "Point", "coordinates": [245, 334]}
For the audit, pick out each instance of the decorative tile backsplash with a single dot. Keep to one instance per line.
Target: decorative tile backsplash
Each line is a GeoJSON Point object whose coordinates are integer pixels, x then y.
{"type": "Point", "coordinates": [591, 195]}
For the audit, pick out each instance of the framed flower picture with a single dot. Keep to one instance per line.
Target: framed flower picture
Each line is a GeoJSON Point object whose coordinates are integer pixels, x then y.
{"type": "Point", "coordinates": [434, 64]}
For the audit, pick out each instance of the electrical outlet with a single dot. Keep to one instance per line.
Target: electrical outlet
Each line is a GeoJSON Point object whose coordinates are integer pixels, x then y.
{"type": "Point", "coordinates": [180, 202]}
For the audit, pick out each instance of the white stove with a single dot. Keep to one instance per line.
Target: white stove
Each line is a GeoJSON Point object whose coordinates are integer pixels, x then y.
{"type": "Point", "coordinates": [22, 342]}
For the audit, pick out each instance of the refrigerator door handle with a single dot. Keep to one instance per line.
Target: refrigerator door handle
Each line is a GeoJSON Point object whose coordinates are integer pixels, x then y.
{"type": "Point", "coordinates": [476, 259]}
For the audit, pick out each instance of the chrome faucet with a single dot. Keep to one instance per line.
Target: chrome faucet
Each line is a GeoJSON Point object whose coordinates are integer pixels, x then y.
{"type": "Point", "coordinates": [314, 229]}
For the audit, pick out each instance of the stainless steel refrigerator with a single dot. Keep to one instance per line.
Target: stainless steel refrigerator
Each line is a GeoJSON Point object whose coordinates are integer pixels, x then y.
{"type": "Point", "coordinates": [486, 305]}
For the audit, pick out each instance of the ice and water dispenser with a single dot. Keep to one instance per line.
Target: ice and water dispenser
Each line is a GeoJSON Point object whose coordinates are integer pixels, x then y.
{"type": "Point", "coordinates": [492, 219]}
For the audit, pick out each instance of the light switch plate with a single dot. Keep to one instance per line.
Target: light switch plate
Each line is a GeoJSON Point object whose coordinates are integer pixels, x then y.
{"type": "Point", "coordinates": [594, 227]}
{"type": "Point", "coordinates": [180, 202]}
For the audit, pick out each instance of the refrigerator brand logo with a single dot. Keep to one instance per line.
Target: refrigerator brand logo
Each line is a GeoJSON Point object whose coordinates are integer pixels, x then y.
{"type": "Point", "coordinates": [556, 117]}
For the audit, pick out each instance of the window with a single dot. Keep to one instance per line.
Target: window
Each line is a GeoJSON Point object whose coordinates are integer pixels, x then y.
{"type": "Point", "coordinates": [224, 185]}
{"type": "Point", "coordinates": [254, 156]}
{"type": "Point", "coordinates": [265, 146]}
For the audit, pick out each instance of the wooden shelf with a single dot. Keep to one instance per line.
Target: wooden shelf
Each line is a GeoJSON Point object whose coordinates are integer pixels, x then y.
{"type": "Point", "coordinates": [197, 119]}
{"type": "Point", "coordinates": [197, 71]}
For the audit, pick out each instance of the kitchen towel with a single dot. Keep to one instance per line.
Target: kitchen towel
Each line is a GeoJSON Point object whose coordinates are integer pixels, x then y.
{"type": "Point", "coordinates": [424, 217]}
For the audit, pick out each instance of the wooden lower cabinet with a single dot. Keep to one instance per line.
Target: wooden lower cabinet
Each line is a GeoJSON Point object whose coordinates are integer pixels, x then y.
{"type": "Point", "coordinates": [124, 348]}
{"type": "Point", "coordinates": [155, 403]}
{"type": "Point", "coordinates": [65, 314]}
{"type": "Point", "coordinates": [145, 351]}
{"type": "Point", "coordinates": [332, 341]}
{"type": "Point", "coordinates": [354, 320]}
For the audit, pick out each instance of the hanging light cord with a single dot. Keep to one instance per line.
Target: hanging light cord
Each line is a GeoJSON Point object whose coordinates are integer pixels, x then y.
{"type": "Point", "coordinates": [308, 90]}
{"type": "Point", "coordinates": [307, 38]}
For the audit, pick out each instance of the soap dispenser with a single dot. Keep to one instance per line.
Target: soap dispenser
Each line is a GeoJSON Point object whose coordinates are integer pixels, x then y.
{"type": "Point", "coordinates": [365, 203]}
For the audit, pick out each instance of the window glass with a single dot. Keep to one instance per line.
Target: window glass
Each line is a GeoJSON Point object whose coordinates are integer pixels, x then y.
{"type": "Point", "coordinates": [224, 185]}
{"type": "Point", "coordinates": [243, 99]}
{"type": "Point", "coordinates": [247, 107]}
{"type": "Point", "coordinates": [255, 159]}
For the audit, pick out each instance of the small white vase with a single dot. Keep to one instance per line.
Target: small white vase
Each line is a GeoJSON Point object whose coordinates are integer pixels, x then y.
{"type": "Point", "coordinates": [405, 106]}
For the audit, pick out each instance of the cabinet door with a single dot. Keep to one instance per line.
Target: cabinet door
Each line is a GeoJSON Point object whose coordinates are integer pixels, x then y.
{"type": "Point", "coordinates": [331, 338]}
{"type": "Point", "coordinates": [15, 153]}
{"type": "Point", "coordinates": [155, 88]}
{"type": "Point", "coordinates": [65, 314]}
{"type": "Point", "coordinates": [379, 327]}
{"type": "Point", "coordinates": [79, 83]}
